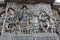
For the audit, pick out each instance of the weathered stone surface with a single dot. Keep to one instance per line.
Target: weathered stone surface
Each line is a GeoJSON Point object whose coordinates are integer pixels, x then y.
{"type": "Point", "coordinates": [39, 36]}
{"type": "Point", "coordinates": [40, 16]}
{"type": "Point", "coordinates": [48, 36]}
{"type": "Point", "coordinates": [5, 36]}
{"type": "Point", "coordinates": [33, 22]}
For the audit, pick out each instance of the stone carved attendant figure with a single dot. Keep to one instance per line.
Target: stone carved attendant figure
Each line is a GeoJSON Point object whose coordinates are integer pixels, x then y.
{"type": "Point", "coordinates": [44, 21]}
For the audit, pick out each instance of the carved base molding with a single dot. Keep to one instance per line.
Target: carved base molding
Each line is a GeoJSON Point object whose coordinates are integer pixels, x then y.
{"type": "Point", "coordinates": [39, 36]}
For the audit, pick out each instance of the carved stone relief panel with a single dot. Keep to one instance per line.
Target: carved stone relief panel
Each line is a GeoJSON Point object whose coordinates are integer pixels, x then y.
{"type": "Point", "coordinates": [28, 19]}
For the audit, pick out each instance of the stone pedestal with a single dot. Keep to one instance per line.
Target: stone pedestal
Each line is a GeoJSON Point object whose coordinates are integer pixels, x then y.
{"type": "Point", "coordinates": [48, 36]}
{"type": "Point", "coordinates": [39, 36]}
